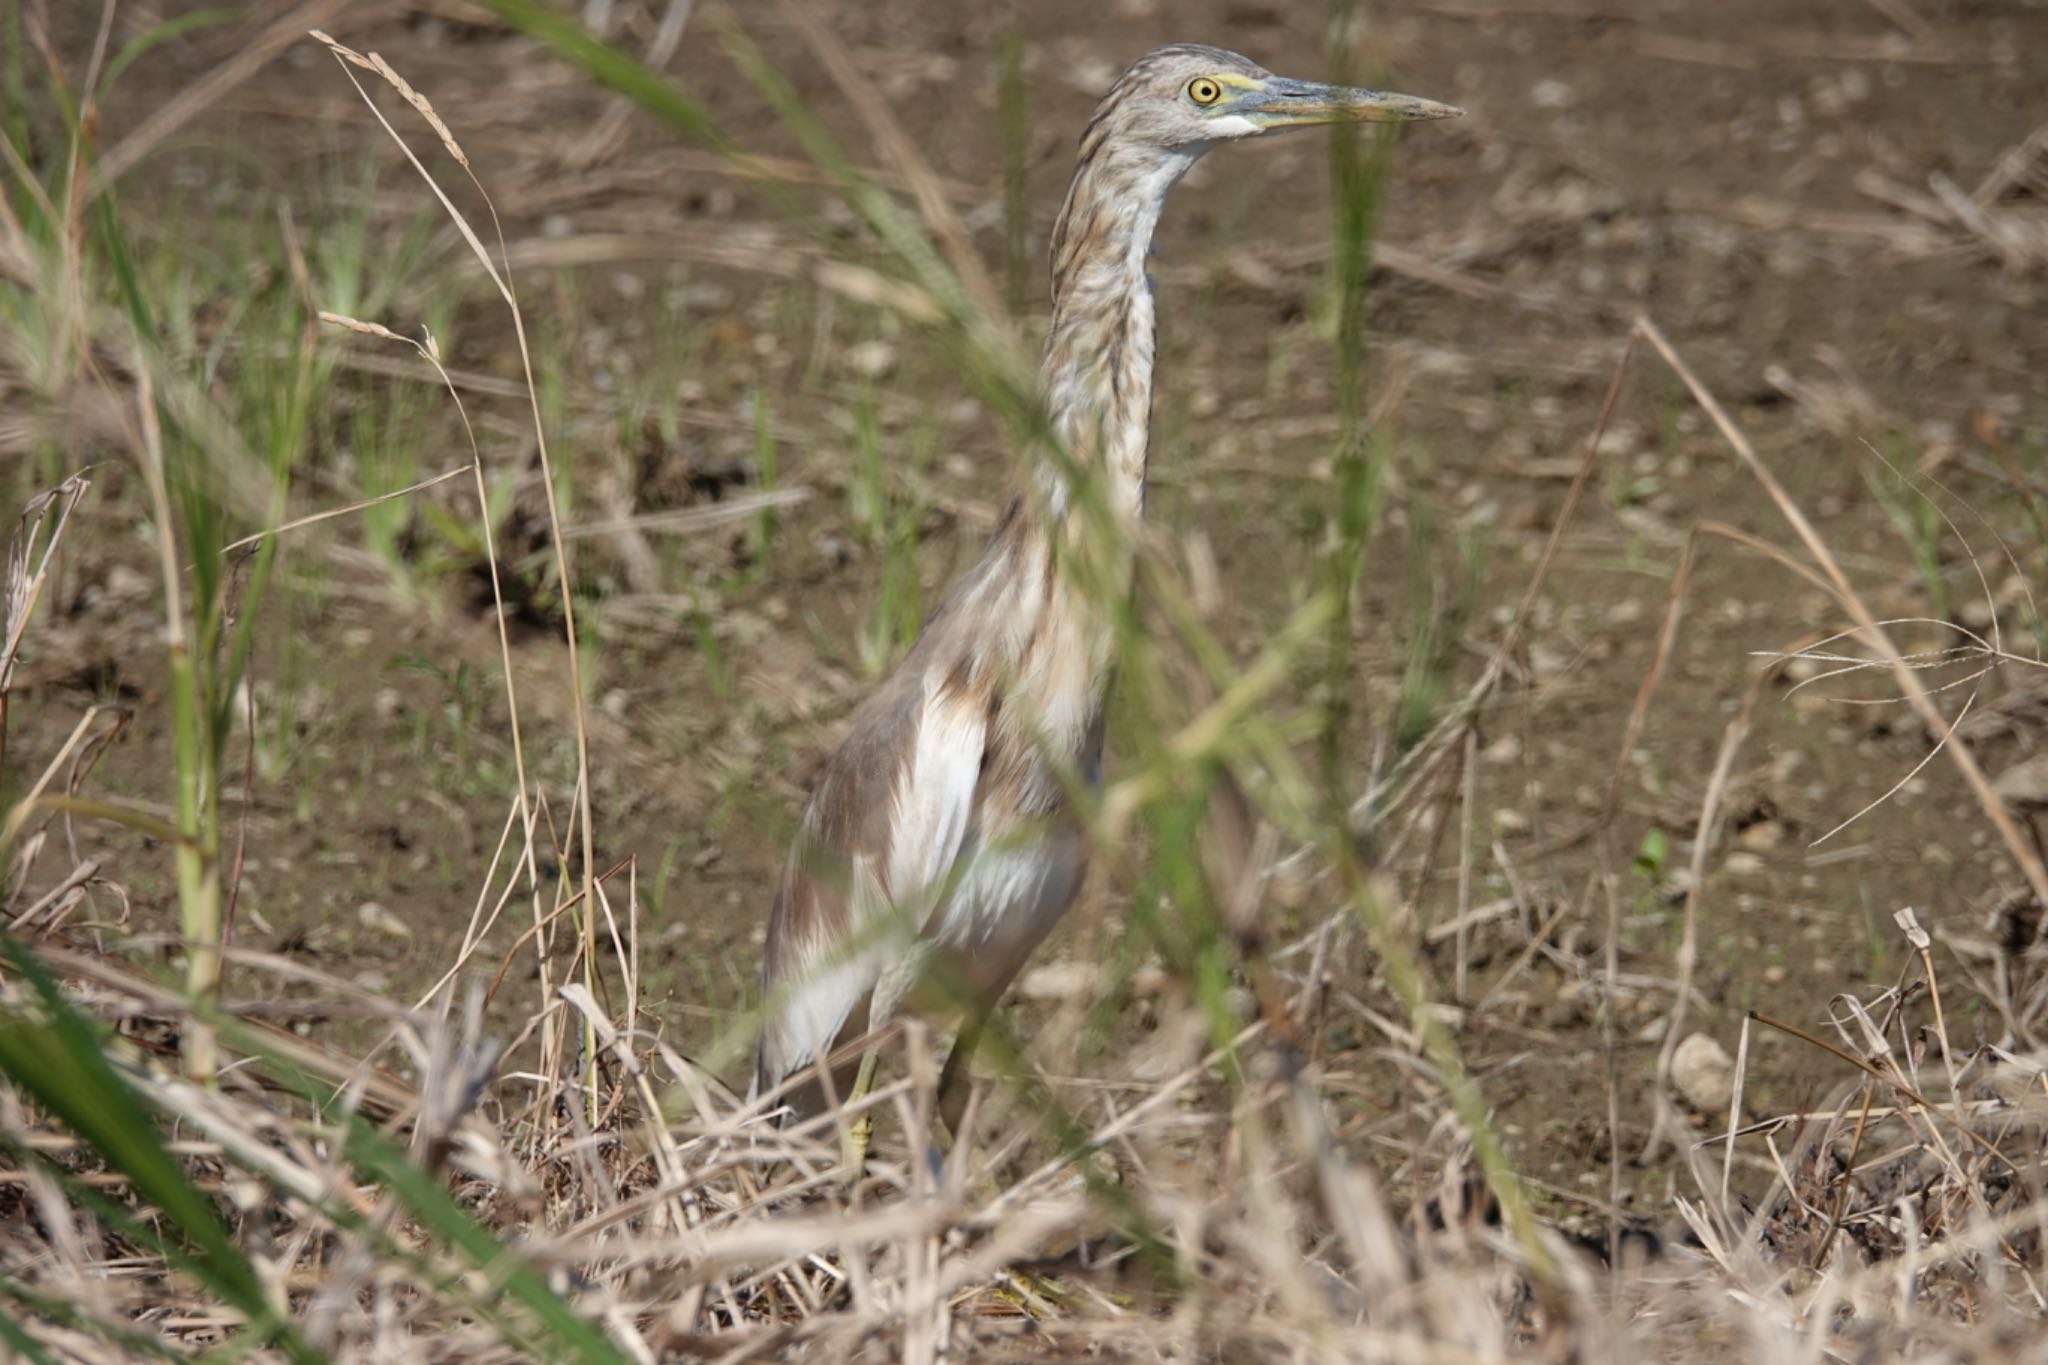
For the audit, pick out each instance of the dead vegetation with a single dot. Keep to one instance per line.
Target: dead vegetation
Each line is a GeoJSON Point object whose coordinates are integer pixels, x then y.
{"type": "Point", "coordinates": [521, 1164]}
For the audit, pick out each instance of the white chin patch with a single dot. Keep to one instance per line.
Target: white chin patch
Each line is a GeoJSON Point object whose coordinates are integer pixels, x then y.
{"type": "Point", "coordinates": [1231, 126]}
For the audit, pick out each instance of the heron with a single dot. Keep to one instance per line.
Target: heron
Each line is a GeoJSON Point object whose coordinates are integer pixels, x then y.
{"type": "Point", "coordinates": [940, 839]}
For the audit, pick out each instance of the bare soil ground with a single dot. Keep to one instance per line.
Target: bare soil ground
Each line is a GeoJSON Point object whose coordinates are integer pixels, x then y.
{"type": "Point", "coordinates": [1791, 191]}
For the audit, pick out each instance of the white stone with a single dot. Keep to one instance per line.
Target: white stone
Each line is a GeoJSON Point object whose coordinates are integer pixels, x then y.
{"type": "Point", "coordinates": [872, 359]}
{"type": "Point", "coordinates": [374, 916]}
{"type": "Point", "coordinates": [1704, 1073]}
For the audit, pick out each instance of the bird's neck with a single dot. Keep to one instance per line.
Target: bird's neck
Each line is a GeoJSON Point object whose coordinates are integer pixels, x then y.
{"type": "Point", "coordinates": [1098, 350]}
{"type": "Point", "coordinates": [1032, 624]}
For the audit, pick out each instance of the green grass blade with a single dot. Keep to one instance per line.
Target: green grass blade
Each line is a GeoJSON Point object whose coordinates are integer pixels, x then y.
{"type": "Point", "coordinates": [56, 1059]}
{"type": "Point", "coordinates": [1013, 111]}
{"type": "Point", "coordinates": [436, 1210]}
{"type": "Point", "coordinates": [1358, 175]}
{"type": "Point", "coordinates": [14, 81]}
{"type": "Point", "coordinates": [158, 34]}
{"type": "Point", "coordinates": [622, 72]}
{"type": "Point", "coordinates": [144, 1233]}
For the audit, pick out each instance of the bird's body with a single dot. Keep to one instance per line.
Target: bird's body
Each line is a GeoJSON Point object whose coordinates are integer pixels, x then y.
{"type": "Point", "coordinates": [939, 837]}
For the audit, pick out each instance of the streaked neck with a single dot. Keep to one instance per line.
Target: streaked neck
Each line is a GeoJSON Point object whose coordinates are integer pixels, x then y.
{"type": "Point", "coordinates": [1099, 347]}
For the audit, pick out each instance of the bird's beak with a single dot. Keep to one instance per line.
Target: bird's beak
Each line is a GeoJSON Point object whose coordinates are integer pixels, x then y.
{"type": "Point", "coordinates": [1279, 102]}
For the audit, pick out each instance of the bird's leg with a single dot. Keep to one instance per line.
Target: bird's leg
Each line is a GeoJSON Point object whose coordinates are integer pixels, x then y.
{"type": "Point", "coordinates": [859, 1134]}
{"type": "Point", "coordinates": [956, 1077]}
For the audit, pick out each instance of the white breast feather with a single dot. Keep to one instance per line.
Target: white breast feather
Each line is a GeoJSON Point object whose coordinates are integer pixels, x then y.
{"type": "Point", "coordinates": [933, 801]}
{"type": "Point", "coordinates": [835, 974]}
{"type": "Point", "coordinates": [998, 889]}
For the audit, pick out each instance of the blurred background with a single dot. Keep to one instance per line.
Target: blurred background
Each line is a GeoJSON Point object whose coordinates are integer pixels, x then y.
{"type": "Point", "coordinates": [769, 467]}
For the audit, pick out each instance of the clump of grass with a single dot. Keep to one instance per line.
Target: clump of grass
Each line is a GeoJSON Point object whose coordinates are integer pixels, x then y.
{"type": "Point", "coordinates": [80, 285]}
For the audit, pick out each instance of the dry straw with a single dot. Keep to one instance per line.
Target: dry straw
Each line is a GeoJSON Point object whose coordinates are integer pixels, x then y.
{"type": "Point", "coordinates": [438, 1197]}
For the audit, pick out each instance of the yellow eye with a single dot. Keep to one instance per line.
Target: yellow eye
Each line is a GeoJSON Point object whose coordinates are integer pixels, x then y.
{"type": "Point", "coordinates": [1204, 91]}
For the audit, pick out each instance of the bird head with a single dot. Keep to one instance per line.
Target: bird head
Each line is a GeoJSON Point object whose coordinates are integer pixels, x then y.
{"type": "Point", "coordinates": [1187, 97]}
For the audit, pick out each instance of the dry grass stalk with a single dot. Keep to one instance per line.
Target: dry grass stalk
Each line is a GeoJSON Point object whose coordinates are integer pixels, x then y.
{"type": "Point", "coordinates": [583, 826]}
{"type": "Point", "coordinates": [430, 353]}
{"type": "Point", "coordinates": [900, 152]}
{"type": "Point", "coordinates": [42, 520]}
{"type": "Point", "coordinates": [1852, 602]}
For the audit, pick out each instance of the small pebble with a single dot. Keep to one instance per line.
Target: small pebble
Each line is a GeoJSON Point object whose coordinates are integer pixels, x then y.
{"type": "Point", "coordinates": [376, 917]}
{"type": "Point", "coordinates": [1704, 1073]}
{"type": "Point", "coordinates": [871, 359]}
{"type": "Point", "coordinates": [1763, 836]}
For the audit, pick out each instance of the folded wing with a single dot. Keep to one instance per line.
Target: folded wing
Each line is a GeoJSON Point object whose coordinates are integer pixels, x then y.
{"type": "Point", "coordinates": [877, 848]}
